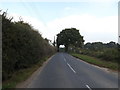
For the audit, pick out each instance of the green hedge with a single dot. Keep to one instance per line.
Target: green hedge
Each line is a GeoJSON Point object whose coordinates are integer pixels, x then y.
{"type": "Point", "coordinates": [22, 46]}
{"type": "Point", "coordinates": [108, 54]}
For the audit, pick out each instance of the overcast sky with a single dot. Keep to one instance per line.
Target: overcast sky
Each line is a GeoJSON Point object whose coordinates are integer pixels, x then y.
{"type": "Point", "coordinates": [96, 20]}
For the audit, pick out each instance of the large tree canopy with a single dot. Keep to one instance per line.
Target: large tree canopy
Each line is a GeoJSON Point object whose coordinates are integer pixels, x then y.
{"type": "Point", "coordinates": [69, 36]}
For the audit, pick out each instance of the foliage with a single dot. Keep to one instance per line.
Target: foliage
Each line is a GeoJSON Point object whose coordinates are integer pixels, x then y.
{"type": "Point", "coordinates": [107, 51]}
{"type": "Point", "coordinates": [22, 46]}
{"type": "Point", "coordinates": [99, 45]}
{"type": "Point", "coordinates": [22, 75]}
{"type": "Point", "coordinates": [96, 61]}
{"type": "Point", "coordinates": [70, 36]}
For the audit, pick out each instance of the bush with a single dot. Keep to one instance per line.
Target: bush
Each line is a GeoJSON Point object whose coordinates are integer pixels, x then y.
{"type": "Point", "coordinates": [22, 46]}
{"type": "Point", "coordinates": [108, 54]}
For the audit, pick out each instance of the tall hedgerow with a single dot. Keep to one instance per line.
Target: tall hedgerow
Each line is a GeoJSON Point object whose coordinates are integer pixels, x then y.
{"type": "Point", "coordinates": [22, 46]}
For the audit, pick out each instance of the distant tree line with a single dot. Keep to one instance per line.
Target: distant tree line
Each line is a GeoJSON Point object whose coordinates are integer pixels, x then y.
{"type": "Point", "coordinates": [22, 46]}
{"type": "Point", "coordinates": [106, 51]}
{"type": "Point", "coordinates": [100, 45]}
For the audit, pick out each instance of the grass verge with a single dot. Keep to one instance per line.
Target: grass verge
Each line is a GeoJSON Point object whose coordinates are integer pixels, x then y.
{"type": "Point", "coordinates": [22, 75]}
{"type": "Point", "coordinates": [98, 62]}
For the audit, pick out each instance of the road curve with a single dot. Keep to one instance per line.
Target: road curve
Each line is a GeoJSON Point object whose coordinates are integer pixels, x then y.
{"type": "Point", "coordinates": [66, 71]}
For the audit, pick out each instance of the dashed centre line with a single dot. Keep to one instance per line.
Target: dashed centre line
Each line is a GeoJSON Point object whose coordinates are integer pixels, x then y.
{"type": "Point", "coordinates": [71, 68]}
{"type": "Point", "coordinates": [88, 87]}
{"type": "Point", "coordinates": [75, 72]}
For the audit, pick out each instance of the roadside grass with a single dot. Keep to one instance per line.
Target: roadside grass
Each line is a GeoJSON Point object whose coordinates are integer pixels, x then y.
{"type": "Point", "coordinates": [22, 75]}
{"type": "Point", "coordinates": [96, 61]}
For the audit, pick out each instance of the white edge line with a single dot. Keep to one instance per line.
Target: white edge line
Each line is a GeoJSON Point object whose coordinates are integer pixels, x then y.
{"type": "Point", "coordinates": [71, 68]}
{"type": "Point", "coordinates": [88, 87]}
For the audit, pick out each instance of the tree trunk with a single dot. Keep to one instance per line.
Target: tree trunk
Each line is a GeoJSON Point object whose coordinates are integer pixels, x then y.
{"type": "Point", "coordinates": [66, 48]}
{"type": "Point", "coordinates": [57, 48]}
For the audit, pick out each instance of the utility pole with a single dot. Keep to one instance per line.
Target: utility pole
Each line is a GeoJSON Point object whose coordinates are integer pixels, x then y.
{"type": "Point", "coordinates": [54, 41]}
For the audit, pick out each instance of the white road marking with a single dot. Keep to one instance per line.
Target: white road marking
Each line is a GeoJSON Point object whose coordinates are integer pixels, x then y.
{"type": "Point", "coordinates": [71, 68]}
{"type": "Point", "coordinates": [88, 87]}
{"type": "Point", "coordinates": [64, 59]}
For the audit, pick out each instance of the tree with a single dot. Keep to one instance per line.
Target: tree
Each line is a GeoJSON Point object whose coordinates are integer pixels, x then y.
{"type": "Point", "coordinates": [69, 36]}
{"type": "Point", "coordinates": [22, 46]}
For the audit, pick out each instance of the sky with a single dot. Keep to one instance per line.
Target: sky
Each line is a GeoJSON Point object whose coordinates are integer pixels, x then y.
{"type": "Point", "coordinates": [96, 20]}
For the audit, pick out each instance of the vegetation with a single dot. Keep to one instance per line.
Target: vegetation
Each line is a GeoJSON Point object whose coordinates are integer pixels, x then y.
{"type": "Point", "coordinates": [21, 75]}
{"type": "Point", "coordinates": [103, 52]}
{"type": "Point", "coordinates": [107, 52]}
{"type": "Point", "coordinates": [105, 55]}
{"type": "Point", "coordinates": [96, 61]}
{"type": "Point", "coordinates": [70, 36]}
{"type": "Point", "coordinates": [22, 46]}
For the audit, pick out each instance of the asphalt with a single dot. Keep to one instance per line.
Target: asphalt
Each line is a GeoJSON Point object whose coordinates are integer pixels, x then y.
{"type": "Point", "coordinates": [66, 71]}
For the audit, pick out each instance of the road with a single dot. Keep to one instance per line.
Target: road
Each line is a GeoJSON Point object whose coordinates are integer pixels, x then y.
{"type": "Point", "coordinates": [66, 71]}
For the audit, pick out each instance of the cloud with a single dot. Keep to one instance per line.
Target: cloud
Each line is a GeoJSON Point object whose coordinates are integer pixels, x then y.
{"type": "Point", "coordinates": [67, 8]}
{"type": "Point", "coordinates": [93, 28]}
